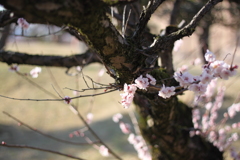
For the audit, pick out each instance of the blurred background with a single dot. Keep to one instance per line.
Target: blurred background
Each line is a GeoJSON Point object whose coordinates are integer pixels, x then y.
{"type": "Point", "coordinates": [218, 31]}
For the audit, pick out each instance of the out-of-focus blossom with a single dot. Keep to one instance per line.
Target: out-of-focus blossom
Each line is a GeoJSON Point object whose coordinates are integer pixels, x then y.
{"type": "Point", "coordinates": [209, 56]}
{"type": "Point", "coordinates": [116, 118]}
{"type": "Point", "coordinates": [177, 45]}
{"type": "Point", "coordinates": [198, 89]}
{"type": "Point", "coordinates": [23, 23]}
{"type": "Point", "coordinates": [67, 99]}
{"type": "Point", "coordinates": [14, 68]}
{"type": "Point", "coordinates": [103, 151]}
{"type": "Point", "coordinates": [125, 127]}
{"type": "Point", "coordinates": [35, 71]}
{"type": "Point", "coordinates": [89, 118]}
{"type": "Point", "coordinates": [197, 61]}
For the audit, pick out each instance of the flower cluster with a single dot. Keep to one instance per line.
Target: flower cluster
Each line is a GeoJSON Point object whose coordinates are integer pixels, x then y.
{"type": "Point", "coordinates": [206, 126]}
{"type": "Point", "coordinates": [140, 146]}
{"type": "Point", "coordinates": [129, 90]}
{"type": "Point", "coordinates": [23, 23]}
{"type": "Point", "coordinates": [214, 69]}
{"type": "Point", "coordinates": [125, 127]}
{"type": "Point", "coordinates": [136, 140]}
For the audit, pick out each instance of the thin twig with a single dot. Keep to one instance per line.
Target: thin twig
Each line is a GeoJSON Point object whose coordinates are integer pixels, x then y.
{"type": "Point", "coordinates": [35, 84]}
{"type": "Point", "coordinates": [44, 134]}
{"type": "Point", "coordinates": [81, 96]}
{"type": "Point", "coordinates": [93, 132]}
{"type": "Point", "coordinates": [145, 16]}
{"type": "Point", "coordinates": [3, 144]}
{"type": "Point", "coordinates": [54, 80]}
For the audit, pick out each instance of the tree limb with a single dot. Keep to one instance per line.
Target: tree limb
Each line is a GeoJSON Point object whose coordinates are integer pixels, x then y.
{"type": "Point", "coordinates": [145, 17]}
{"type": "Point", "coordinates": [47, 60]}
{"type": "Point", "coordinates": [188, 30]}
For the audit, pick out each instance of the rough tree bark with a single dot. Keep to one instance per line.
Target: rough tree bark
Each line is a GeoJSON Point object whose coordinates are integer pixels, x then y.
{"type": "Point", "coordinates": [125, 59]}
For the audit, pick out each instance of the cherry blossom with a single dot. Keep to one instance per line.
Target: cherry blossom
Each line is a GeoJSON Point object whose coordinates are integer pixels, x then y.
{"type": "Point", "coordinates": [130, 89]}
{"type": "Point", "coordinates": [142, 83]}
{"type": "Point", "coordinates": [89, 118]}
{"type": "Point", "coordinates": [67, 99]}
{"type": "Point", "coordinates": [198, 89]}
{"type": "Point", "coordinates": [23, 23]}
{"type": "Point", "coordinates": [209, 56]}
{"type": "Point", "coordinates": [151, 80]}
{"type": "Point", "coordinates": [166, 92]}
{"type": "Point", "coordinates": [103, 151]}
{"type": "Point", "coordinates": [116, 118]}
{"type": "Point", "coordinates": [14, 68]}
{"type": "Point", "coordinates": [125, 127]}
{"type": "Point", "coordinates": [34, 72]}
{"type": "Point", "coordinates": [185, 79]}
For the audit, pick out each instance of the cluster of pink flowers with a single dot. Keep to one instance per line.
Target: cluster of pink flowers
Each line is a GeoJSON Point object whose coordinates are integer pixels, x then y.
{"type": "Point", "coordinates": [137, 141]}
{"type": "Point", "coordinates": [23, 23]}
{"type": "Point", "coordinates": [206, 126]}
{"type": "Point", "coordinates": [214, 69]}
{"type": "Point", "coordinates": [125, 127]}
{"type": "Point", "coordinates": [140, 146]}
{"type": "Point", "coordinates": [129, 90]}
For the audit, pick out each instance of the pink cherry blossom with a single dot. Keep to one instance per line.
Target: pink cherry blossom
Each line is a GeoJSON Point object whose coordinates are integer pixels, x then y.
{"type": "Point", "coordinates": [67, 99]}
{"type": "Point", "coordinates": [142, 83]}
{"type": "Point", "coordinates": [151, 80]}
{"type": "Point", "coordinates": [89, 118]}
{"type": "Point", "coordinates": [127, 99]}
{"type": "Point", "coordinates": [205, 77]}
{"type": "Point", "coordinates": [23, 23]}
{"type": "Point", "coordinates": [103, 151]}
{"type": "Point", "coordinates": [209, 56]}
{"type": "Point", "coordinates": [116, 118]}
{"type": "Point", "coordinates": [14, 68]}
{"type": "Point", "coordinates": [198, 89]}
{"type": "Point", "coordinates": [166, 92]}
{"type": "Point", "coordinates": [130, 89]}
{"type": "Point", "coordinates": [185, 79]}
{"type": "Point", "coordinates": [125, 127]}
{"type": "Point", "coordinates": [34, 72]}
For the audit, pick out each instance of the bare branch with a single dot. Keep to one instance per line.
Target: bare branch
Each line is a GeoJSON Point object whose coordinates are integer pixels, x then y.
{"type": "Point", "coordinates": [3, 144]}
{"type": "Point", "coordinates": [44, 134]}
{"type": "Point", "coordinates": [93, 132]}
{"type": "Point", "coordinates": [185, 31]}
{"type": "Point", "coordinates": [42, 60]}
{"type": "Point", "coordinates": [145, 17]}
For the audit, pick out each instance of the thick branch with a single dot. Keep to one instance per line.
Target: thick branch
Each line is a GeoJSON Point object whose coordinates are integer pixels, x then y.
{"type": "Point", "coordinates": [145, 17]}
{"type": "Point", "coordinates": [43, 60]}
{"type": "Point", "coordinates": [188, 30]}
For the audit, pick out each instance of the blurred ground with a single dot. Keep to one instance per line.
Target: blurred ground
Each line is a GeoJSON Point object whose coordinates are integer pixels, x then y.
{"type": "Point", "coordinates": [55, 118]}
